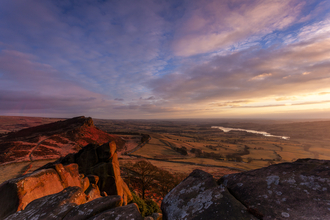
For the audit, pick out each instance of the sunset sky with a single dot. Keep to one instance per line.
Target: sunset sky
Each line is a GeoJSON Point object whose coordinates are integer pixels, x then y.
{"type": "Point", "coordinates": [165, 59]}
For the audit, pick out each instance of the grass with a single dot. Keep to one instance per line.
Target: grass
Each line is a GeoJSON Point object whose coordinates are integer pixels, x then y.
{"type": "Point", "coordinates": [14, 170]}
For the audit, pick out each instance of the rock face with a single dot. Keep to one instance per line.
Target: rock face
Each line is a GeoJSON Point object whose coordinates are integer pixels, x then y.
{"type": "Point", "coordinates": [17, 193]}
{"type": "Point", "coordinates": [100, 164]}
{"type": "Point", "coordinates": [52, 140]}
{"type": "Point", "coordinates": [54, 206]}
{"type": "Point", "coordinates": [299, 190]}
{"type": "Point", "coordinates": [200, 197]}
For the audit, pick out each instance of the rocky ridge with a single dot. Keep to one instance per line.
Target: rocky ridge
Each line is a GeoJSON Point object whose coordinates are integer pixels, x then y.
{"type": "Point", "coordinates": [53, 140]}
{"type": "Point", "coordinates": [298, 191]}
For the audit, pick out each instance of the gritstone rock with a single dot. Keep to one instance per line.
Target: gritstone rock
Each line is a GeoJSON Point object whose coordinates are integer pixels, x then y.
{"type": "Point", "coordinates": [127, 212]}
{"type": "Point", "coordinates": [199, 197]}
{"type": "Point", "coordinates": [101, 161]}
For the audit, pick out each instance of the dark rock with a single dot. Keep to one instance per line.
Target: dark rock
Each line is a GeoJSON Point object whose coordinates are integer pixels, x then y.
{"type": "Point", "coordinates": [106, 151]}
{"type": "Point", "coordinates": [86, 158]}
{"type": "Point", "coordinates": [54, 206]}
{"type": "Point", "coordinates": [154, 216]}
{"type": "Point", "coordinates": [93, 179]}
{"type": "Point", "coordinates": [127, 212]}
{"type": "Point", "coordinates": [93, 192]}
{"type": "Point", "coordinates": [9, 200]}
{"type": "Point", "coordinates": [298, 190]}
{"type": "Point", "coordinates": [199, 197]}
{"type": "Point", "coordinates": [157, 216]}
{"type": "Point", "coordinates": [93, 208]}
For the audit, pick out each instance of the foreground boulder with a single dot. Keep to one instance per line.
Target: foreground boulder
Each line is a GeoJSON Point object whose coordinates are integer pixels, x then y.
{"type": "Point", "coordinates": [100, 161]}
{"type": "Point", "coordinates": [128, 212]}
{"type": "Point", "coordinates": [299, 190]}
{"type": "Point", "coordinates": [69, 204]}
{"type": "Point", "coordinates": [54, 206]}
{"type": "Point", "coordinates": [90, 209]}
{"type": "Point", "coordinates": [199, 197]}
{"type": "Point", "coordinates": [295, 191]}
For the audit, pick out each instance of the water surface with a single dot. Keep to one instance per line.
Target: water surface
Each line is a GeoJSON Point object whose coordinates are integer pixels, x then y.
{"type": "Point", "coordinates": [250, 131]}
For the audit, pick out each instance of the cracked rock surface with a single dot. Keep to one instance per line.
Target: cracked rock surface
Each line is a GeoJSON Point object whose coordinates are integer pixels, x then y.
{"type": "Point", "coordinates": [298, 190]}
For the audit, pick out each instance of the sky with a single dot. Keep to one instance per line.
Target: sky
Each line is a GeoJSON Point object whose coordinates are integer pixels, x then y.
{"type": "Point", "coordinates": [165, 59]}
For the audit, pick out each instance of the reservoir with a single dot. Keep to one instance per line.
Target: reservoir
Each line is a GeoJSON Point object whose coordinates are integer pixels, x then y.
{"type": "Point", "coordinates": [250, 131]}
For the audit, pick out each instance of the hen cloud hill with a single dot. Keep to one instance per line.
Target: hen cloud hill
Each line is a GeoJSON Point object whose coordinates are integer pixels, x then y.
{"type": "Point", "coordinates": [53, 140]}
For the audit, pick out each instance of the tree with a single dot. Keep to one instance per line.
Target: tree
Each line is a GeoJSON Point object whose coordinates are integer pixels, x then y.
{"type": "Point", "coordinates": [142, 174]}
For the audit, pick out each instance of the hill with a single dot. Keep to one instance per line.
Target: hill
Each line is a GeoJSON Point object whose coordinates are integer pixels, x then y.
{"type": "Point", "coordinates": [53, 140]}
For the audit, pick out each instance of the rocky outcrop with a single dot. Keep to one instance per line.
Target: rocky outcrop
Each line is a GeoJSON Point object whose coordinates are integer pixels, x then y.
{"type": "Point", "coordinates": [298, 191]}
{"type": "Point", "coordinates": [100, 164]}
{"type": "Point", "coordinates": [68, 190]}
{"type": "Point", "coordinates": [200, 197]}
{"type": "Point", "coordinates": [52, 140]}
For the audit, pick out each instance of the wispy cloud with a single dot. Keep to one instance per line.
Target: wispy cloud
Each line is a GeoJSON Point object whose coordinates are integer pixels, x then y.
{"type": "Point", "coordinates": [261, 76]}
{"type": "Point", "coordinates": [284, 104]}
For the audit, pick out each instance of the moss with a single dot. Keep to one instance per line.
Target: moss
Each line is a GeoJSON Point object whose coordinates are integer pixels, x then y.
{"type": "Point", "coordinates": [140, 203]}
{"type": "Point", "coordinates": [152, 207]}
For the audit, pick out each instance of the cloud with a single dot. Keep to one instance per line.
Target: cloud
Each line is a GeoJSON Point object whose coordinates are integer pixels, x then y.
{"type": "Point", "coordinates": [324, 93]}
{"type": "Point", "coordinates": [284, 104]}
{"type": "Point", "coordinates": [286, 98]}
{"type": "Point", "coordinates": [232, 103]}
{"type": "Point", "coordinates": [261, 76]}
{"type": "Point", "coordinates": [238, 75]}
{"type": "Point", "coordinates": [118, 99]}
{"type": "Point", "coordinates": [27, 84]}
{"type": "Point", "coordinates": [215, 25]}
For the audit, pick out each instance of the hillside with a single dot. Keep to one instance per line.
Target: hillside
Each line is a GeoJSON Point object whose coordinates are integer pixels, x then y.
{"type": "Point", "coordinates": [53, 140]}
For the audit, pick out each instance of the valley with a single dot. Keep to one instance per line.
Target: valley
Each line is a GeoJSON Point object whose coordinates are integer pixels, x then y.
{"type": "Point", "coordinates": [184, 145]}
{"type": "Point", "coordinates": [178, 146]}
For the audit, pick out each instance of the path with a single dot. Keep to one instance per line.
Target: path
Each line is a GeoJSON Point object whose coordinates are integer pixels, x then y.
{"type": "Point", "coordinates": [36, 147]}
{"type": "Point", "coordinates": [189, 163]}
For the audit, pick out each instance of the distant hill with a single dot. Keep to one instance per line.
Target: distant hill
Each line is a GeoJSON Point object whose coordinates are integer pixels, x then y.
{"type": "Point", "coordinates": [53, 140]}
{"type": "Point", "coordinates": [15, 123]}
